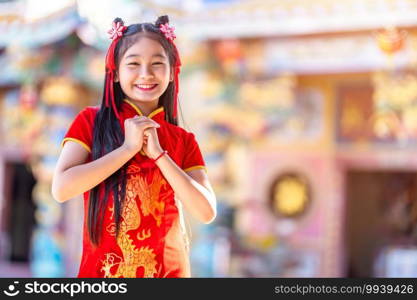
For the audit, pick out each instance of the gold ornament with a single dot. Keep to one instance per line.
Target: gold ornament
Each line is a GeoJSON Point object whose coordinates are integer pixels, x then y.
{"type": "Point", "coordinates": [290, 195]}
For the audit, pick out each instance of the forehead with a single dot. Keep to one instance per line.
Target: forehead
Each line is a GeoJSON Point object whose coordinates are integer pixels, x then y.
{"type": "Point", "coordinates": [145, 47]}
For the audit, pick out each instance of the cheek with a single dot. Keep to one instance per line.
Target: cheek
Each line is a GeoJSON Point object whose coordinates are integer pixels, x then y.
{"type": "Point", "coordinates": [125, 76]}
{"type": "Point", "coordinates": [163, 73]}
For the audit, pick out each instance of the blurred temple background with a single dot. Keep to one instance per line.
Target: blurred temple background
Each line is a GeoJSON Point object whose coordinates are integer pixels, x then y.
{"type": "Point", "coordinates": [305, 111]}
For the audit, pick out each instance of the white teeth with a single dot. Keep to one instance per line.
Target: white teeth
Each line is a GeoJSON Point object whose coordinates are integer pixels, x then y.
{"type": "Point", "coordinates": [146, 86]}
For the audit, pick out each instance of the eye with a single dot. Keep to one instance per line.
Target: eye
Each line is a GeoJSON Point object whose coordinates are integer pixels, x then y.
{"type": "Point", "coordinates": [133, 64]}
{"type": "Point", "coordinates": [157, 63]}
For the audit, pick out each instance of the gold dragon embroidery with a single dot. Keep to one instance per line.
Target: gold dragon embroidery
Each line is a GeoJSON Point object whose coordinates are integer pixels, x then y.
{"type": "Point", "coordinates": [151, 203]}
{"type": "Point", "coordinates": [149, 195]}
{"type": "Point", "coordinates": [144, 234]}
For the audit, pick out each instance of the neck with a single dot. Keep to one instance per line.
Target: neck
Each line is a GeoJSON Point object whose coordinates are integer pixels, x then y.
{"type": "Point", "coordinates": [146, 107]}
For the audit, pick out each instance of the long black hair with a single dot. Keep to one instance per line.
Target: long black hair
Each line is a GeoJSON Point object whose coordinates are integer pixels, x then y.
{"type": "Point", "coordinates": [108, 134]}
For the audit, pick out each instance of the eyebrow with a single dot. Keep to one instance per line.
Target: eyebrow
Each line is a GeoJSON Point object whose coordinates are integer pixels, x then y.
{"type": "Point", "coordinates": [137, 55]}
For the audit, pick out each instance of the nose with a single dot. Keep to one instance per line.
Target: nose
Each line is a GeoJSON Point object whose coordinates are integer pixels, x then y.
{"type": "Point", "coordinates": [145, 73]}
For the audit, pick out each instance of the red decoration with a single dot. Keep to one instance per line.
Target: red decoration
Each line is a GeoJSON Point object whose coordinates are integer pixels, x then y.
{"type": "Point", "coordinates": [168, 31]}
{"type": "Point", "coordinates": [116, 31]}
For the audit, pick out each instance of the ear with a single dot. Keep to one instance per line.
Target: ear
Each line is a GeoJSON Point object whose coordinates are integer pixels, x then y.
{"type": "Point", "coordinates": [171, 75]}
{"type": "Point", "coordinates": [116, 77]}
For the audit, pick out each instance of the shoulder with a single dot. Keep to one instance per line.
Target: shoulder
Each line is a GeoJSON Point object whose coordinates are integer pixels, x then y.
{"type": "Point", "coordinates": [89, 111]}
{"type": "Point", "coordinates": [85, 118]}
{"type": "Point", "coordinates": [87, 114]}
{"type": "Point", "coordinates": [81, 129]}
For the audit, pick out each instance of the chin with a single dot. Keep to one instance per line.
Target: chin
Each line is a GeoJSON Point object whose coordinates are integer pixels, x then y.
{"type": "Point", "coordinates": [146, 99]}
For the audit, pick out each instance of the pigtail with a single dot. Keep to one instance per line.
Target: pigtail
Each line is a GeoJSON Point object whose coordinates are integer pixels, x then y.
{"type": "Point", "coordinates": [119, 20]}
{"type": "Point", "coordinates": [168, 32]}
{"type": "Point", "coordinates": [162, 20]}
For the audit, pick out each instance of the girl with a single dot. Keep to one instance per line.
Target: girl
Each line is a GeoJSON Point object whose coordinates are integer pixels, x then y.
{"type": "Point", "coordinates": [132, 161]}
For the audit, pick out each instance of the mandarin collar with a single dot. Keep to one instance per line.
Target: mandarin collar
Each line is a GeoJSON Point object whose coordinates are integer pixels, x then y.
{"type": "Point", "coordinates": [157, 115]}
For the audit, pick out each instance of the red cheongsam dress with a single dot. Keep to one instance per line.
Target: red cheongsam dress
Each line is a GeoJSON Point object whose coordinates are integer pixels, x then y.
{"type": "Point", "coordinates": [151, 240]}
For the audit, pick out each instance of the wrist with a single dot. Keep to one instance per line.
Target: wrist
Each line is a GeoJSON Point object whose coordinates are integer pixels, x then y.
{"type": "Point", "coordinates": [159, 156]}
{"type": "Point", "coordinates": [155, 155]}
{"type": "Point", "coordinates": [128, 150]}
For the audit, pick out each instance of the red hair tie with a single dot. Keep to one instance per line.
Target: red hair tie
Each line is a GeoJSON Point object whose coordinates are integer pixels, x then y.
{"type": "Point", "coordinates": [168, 32]}
{"type": "Point", "coordinates": [115, 33]}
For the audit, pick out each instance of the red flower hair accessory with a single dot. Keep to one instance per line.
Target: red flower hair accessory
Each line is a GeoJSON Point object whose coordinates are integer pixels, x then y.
{"type": "Point", "coordinates": [168, 31]}
{"type": "Point", "coordinates": [116, 31]}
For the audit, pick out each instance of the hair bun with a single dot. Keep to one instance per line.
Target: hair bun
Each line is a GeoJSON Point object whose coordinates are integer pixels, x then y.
{"type": "Point", "coordinates": [162, 20]}
{"type": "Point", "coordinates": [119, 20]}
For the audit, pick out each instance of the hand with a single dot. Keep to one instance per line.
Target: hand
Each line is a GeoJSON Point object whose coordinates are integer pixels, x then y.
{"type": "Point", "coordinates": [151, 145]}
{"type": "Point", "coordinates": [134, 132]}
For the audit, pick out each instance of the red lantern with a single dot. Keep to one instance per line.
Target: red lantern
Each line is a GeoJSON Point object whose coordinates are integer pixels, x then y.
{"type": "Point", "coordinates": [228, 50]}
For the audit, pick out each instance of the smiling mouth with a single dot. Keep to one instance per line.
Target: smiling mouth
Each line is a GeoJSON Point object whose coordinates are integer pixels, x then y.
{"type": "Point", "coordinates": [146, 87]}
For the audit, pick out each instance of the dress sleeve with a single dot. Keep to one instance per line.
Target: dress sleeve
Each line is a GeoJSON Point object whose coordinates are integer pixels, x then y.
{"type": "Point", "coordinates": [81, 129]}
{"type": "Point", "coordinates": [193, 159]}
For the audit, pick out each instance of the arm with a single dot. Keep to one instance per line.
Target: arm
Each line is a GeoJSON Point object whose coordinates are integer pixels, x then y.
{"type": "Point", "coordinates": [192, 188]}
{"type": "Point", "coordinates": [72, 176]}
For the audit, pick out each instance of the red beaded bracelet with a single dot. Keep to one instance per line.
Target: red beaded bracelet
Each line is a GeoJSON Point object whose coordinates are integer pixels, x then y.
{"type": "Point", "coordinates": [160, 155]}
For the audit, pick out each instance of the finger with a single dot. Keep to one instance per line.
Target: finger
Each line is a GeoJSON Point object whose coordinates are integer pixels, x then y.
{"type": "Point", "coordinates": [134, 120]}
{"type": "Point", "coordinates": [143, 119]}
{"type": "Point", "coordinates": [150, 130]}
{"type": "Point", "coordinates": [156, 123]}
{"type": "Point", "coordinates": [148, 125]}
{"type": "Point", "coordinates": [137, 118]}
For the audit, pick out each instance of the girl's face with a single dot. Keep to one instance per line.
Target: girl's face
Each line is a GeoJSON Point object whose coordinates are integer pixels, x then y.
{"type": "Point", "coordinates": [144, 71]}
